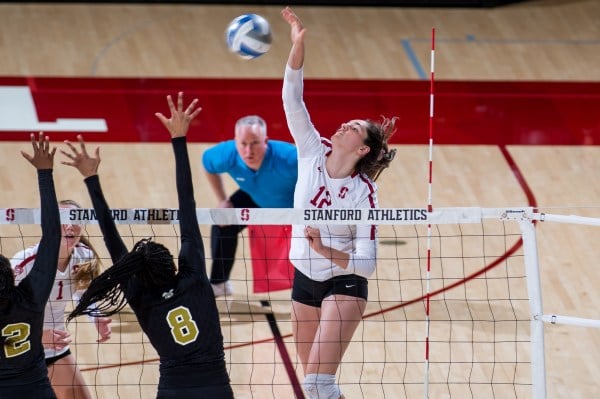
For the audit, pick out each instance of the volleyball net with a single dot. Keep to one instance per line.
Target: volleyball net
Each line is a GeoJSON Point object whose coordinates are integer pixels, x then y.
{"type": "Point", "coordinates": [455, 305]}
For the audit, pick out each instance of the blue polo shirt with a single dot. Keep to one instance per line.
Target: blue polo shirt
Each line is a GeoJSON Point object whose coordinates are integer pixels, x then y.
{"type": "Point", "coordinates": [271, 186]}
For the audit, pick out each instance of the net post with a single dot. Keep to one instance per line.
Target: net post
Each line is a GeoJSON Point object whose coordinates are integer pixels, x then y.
{"type": "Point", "coordinates": [534, 292]}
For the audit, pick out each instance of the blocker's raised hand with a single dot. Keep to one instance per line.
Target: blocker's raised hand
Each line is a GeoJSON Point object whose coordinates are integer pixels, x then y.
{"type": "Point", "coordinates": [80, 159]}
{"type": "Point", "coordinates": [179, 122]}
{"type": "Point", "coordinates": [43, 155]}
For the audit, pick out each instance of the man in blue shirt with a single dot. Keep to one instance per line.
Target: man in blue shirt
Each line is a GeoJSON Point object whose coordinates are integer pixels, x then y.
{"type": "Point", "coordinates": [265, 171]}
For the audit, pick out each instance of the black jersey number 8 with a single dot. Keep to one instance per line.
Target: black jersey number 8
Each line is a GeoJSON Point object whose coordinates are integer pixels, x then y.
{"type": "Point", "coordinates": [183, 328]}
{"type": "Point", "coordinates": [17, 339]}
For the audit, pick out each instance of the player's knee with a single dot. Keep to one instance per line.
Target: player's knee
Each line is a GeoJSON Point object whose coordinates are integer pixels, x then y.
{"type": "Point", "coordinates": [321, 386]}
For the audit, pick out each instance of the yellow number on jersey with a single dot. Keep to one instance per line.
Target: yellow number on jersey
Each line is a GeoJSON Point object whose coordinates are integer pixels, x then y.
{"type": "Point", "coordinates": [183, 328]}
{"type": "Point", "coordinates": [17, 339]}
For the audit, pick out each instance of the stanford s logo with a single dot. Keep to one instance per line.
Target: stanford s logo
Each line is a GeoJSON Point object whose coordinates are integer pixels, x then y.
{"type": "Point", "coordinates": [10, 215]}
{"type": "Point", "coordinates": [343, 192]}
{"type": "Point", "coordinates": [245, 214]}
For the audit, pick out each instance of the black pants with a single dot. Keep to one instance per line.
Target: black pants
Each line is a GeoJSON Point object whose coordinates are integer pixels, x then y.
{"type": "Point", "coordinates": [38, 390]}
{"type": "Point", "coordinates": [209, 381]}
{"type": "Point", "coordinates": [224, 240]}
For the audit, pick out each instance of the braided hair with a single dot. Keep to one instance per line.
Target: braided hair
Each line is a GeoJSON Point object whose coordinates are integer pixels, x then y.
{"type": "Point", "coordinates": [149, 262]}
{"type": "Point", "coordinates": [379, 156]}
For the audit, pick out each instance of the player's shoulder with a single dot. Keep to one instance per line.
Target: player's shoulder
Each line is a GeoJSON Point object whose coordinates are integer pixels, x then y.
{"type": "Point", "coordinates": [82, 253]}
{"type": "Point", "coordinates": [365, 183]}
{"type": "Point", "coordinates": [226, 145]}
{"type": "Point", "coordinates": [325, 144]}
{"type": "Point", "coordinates": [219, 152]}
{"type": "Point", "coordinates": [24, 256]}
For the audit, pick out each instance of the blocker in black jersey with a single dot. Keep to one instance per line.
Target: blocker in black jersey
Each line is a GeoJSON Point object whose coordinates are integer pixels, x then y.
{"type": "Point", "coordinates": [23, 372]}
{"type": "Point", "coordinates": [175, 307]}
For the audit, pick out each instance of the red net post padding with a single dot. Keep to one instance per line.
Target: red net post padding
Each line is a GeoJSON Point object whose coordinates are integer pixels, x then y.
{"type": "Point", "coordinates": [270, 248]}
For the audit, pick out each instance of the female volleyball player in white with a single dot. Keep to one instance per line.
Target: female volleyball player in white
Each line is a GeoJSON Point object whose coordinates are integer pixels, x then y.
{"type": "Point", "coordinates": [332, 262]}
{"type": "Point", "coordinates": [77, 264]}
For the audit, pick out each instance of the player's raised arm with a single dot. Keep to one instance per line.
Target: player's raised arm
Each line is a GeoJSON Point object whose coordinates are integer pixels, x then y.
{"type": "Point", "coordinates": [191, 255]}
{"type": "Point", "coordinates": [42, 275]}
{"type": "Point", "coordinates": [296, 57]}
{"type": "Point", "coordinates": [88, 165]}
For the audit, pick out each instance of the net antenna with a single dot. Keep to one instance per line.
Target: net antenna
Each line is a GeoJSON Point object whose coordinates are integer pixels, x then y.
{"type": "Point", "coordinates": [429, 209]}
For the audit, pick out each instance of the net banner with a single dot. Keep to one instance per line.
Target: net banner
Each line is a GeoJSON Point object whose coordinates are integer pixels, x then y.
{"type": "Point", "coordinates": [280, 216]}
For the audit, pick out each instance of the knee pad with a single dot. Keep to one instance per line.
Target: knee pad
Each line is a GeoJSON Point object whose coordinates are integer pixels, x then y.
{"type": "Point", "coordinates": [321, 386]}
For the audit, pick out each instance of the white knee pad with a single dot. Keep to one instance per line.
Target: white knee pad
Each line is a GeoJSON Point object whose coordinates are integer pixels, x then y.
{"type": "Point", "coordinates": [321, 386]}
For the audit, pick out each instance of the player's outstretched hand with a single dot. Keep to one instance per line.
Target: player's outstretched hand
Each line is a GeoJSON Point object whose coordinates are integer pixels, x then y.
{"type": "Point", "coordinates": [43, 155]}
{"type": "Point", "coordinates": [179, 122]}
{"type": "Point", "coordinates": [297, 29]}
{"type": "Point", "coordinates": [80, 159]}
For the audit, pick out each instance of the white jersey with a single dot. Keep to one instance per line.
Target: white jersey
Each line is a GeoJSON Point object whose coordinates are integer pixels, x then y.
{"type": "Point", "coordinates": [63, 290]}
{"type": "Point", "coordinates": [316, 189]}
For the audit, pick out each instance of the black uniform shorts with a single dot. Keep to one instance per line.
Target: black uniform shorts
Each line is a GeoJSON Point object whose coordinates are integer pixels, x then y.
{"type": "Point", "coordinates": [312, 293]}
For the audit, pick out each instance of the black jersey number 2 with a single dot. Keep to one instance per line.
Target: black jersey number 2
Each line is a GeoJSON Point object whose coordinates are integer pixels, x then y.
{"type": "Point", "coordinates": [183, 328]}
{"type": "Point", "coordinates": [16, 339]}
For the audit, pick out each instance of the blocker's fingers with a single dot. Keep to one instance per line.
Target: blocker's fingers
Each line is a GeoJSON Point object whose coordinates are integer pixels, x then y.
{"type": "Point", "coordinates": [34, 143]}
{"type": "Point", "coordinates": [170, 103]}
{"type": "Point", "coordinates": [161, 117]}
{"type": "Point", "coordinates": [41, 141]}
{"type": "Point", "coordinates": [82, 145]}
{"type": "Point", "coordinates": [195, 113]}
{"type": "Point", "coordinates": [192, 105]}
{"type": "Point", "coordinates": [66, 154]}
{"type": "Point", "coordinates": [73, 149]}
{"type": "Point", "coordinates": [46, 144]}
{"type": "Point", "coordinates": [180, 101]}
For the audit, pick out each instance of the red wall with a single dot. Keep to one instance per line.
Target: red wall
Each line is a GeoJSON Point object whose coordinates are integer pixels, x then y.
{"type": "Point", "coordinates": [465, 112]}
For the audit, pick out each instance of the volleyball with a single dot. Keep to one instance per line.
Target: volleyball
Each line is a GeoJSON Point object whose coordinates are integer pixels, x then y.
{"type": "Point", "coordinates": [248, 36]}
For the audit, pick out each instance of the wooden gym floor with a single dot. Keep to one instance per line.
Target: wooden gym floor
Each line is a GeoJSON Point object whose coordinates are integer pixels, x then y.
{"type": "Point", "coordinates": [546, 40]}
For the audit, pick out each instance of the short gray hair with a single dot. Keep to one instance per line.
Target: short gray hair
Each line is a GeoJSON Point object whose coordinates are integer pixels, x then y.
{"type": "Point", "coordinates": [250, 120]}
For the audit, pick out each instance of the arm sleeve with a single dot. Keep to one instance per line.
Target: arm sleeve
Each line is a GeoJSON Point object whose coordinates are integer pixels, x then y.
{"type": "Point", "coordinates": [115, 245]}
{"type": "Point", "coordinates": [363, 260]}
{"type": "Point", "coordinates": [305, 135]}
{"type": "Point", "coordinates": [41, 277]}
{"type": "Point", "coordinates": [191, 255]}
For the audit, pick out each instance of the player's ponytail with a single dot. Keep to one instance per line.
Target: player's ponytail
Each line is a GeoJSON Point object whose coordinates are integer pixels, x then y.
{"type": "Point", "coordinates": [379, 156]}
{"type": "Point", "coordinates": [104, 297]}
{"type": "Point", "coordinates": [159, 267]}
{"type": "Point", "coordinates": [149, 262]}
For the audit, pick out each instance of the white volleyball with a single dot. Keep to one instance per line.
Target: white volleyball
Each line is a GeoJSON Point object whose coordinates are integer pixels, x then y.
{"type": "Point", "coordinates": [248, 36]}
